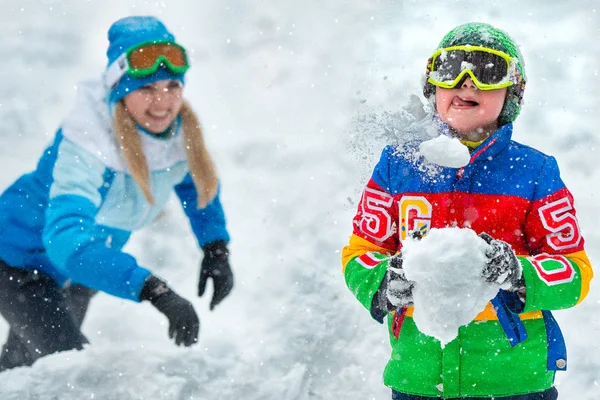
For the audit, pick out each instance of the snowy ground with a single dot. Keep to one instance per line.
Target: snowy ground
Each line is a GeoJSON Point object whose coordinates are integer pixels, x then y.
{"type": "Point", "coordinates": [278, 85]}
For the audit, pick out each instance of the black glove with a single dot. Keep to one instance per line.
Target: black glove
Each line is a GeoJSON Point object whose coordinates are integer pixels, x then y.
{"type": "Point", "coordinates": [395, 290]}
{"type": "Point", "coordinates": [215, 265]}
{"type": "Point", "coordinates": [502, 266]}
{"type": "Point", "coordinates": [184, 324]}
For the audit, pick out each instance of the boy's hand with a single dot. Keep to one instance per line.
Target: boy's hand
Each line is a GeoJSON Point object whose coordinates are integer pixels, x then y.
{"type": "Point", "coordinates": [502, 266]}
{"type": "Point", "coordinates": [395, 290]}
{"type": "Point", "coordinates": [399, 289]}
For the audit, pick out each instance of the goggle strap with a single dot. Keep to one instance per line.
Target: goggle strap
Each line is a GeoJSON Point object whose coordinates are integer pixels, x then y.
{"type": "Point", "coordinates": [115, 71]}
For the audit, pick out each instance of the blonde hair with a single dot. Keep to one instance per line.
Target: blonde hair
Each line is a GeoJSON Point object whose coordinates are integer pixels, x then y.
{"type": "Point", "coordinates": [199, 161]}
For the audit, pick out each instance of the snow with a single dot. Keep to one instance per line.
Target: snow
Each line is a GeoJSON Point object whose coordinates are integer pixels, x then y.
{"type": "Point", "coordinates": [278, 86]}
{"type": "Point", "coordinates": [467, 65]}
{"type": "Point", "coordinates": [412, 122]}
{"type": "Point", "coordinates": [445, 151]}
{"type": "Point", "coordinates": [446, 267]}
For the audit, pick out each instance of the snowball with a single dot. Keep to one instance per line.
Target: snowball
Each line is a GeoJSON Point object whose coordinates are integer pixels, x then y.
{"type": "Point", "coordinates": [445, 151]}
{"type": "Point", "coordinates": [449, 292]}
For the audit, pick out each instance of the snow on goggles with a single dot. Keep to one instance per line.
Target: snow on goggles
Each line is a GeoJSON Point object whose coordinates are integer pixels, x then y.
{"type": "Point", "coordinates": [144, 60]}
{"type": "Point", "coordinates": [489, 69]}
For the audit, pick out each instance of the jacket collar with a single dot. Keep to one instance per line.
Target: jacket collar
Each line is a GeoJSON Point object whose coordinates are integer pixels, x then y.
{"type": "Point", "coordinates": [493, 144]}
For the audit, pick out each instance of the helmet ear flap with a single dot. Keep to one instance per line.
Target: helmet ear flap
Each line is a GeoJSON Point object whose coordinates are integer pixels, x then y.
{"type": "Point", "coordinates": [521, 91]}
{"type": "Point", "coordinates": [512, 104]}
{"type": "Point", "coordinates": [428, 88]}
{"type": "Point", "coordinates": [429, 93]}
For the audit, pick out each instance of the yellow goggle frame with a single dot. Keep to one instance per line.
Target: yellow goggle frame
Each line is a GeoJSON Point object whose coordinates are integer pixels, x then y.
{"type": "Point", "coordinates": [511, 77]}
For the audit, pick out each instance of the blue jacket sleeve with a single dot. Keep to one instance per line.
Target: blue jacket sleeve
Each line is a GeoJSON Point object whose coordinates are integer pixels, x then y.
{"type": "Point", "coordinates": [76, 245]}
{"type": "Point", "coordinates": [208, 224]}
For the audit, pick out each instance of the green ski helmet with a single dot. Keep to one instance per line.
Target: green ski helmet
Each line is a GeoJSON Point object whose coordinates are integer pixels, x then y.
{"type": "Point", "coordinates": [485, 35]}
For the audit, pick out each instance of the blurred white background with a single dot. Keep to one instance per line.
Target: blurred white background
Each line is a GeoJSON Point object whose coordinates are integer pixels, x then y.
{"type": "Point", "coordinates": [278, 85]}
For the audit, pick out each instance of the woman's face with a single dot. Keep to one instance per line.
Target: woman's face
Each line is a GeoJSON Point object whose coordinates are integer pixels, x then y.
{"type": "Point", "coordinates": [156, 105]}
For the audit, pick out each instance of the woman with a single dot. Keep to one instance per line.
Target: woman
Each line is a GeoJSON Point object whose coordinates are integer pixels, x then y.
{"type": "Point", "coordinates": [130, 139]}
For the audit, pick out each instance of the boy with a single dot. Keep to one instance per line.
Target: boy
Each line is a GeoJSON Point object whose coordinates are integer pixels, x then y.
{"type": "Point", "coordinates": [512, 196]}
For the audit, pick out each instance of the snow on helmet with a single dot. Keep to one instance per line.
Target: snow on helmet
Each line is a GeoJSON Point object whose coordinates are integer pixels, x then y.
{"type": "Point", "coordinates": [485, 35]}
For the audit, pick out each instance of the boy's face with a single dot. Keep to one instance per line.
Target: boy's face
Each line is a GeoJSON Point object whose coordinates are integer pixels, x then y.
{"type": "Point", "coordinates": [471, 112]}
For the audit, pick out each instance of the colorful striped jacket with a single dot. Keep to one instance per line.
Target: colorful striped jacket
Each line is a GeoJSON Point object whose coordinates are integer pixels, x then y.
{"type": "Point", "coordinates": [512, 192]}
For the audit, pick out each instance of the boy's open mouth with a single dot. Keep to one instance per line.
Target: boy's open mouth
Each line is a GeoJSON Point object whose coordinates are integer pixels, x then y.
{"type": "Point", "coordinates": [458, 102]}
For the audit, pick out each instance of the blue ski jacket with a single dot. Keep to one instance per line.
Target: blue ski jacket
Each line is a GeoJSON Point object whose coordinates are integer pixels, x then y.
{"type": "Point", "coordinates": [71, 217]}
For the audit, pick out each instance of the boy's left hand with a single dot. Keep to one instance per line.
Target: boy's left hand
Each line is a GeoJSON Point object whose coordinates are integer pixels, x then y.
{"type": "Point", "coordinates": [398, 288]}
{"type": "Point", "coordinates": [215, 265]}
{"type": "Point", "coordinates": [502, 266]}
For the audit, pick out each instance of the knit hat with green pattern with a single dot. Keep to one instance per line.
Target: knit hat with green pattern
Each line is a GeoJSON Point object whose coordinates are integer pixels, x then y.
{"type": "Point", "coordinates": [485, 35]}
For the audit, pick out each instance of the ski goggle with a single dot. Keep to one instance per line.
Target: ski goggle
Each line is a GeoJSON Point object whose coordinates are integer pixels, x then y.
{"type": "Point", "coordinates": [489, 69]}
{"type": "Point", "coordinates": [145, 59]}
